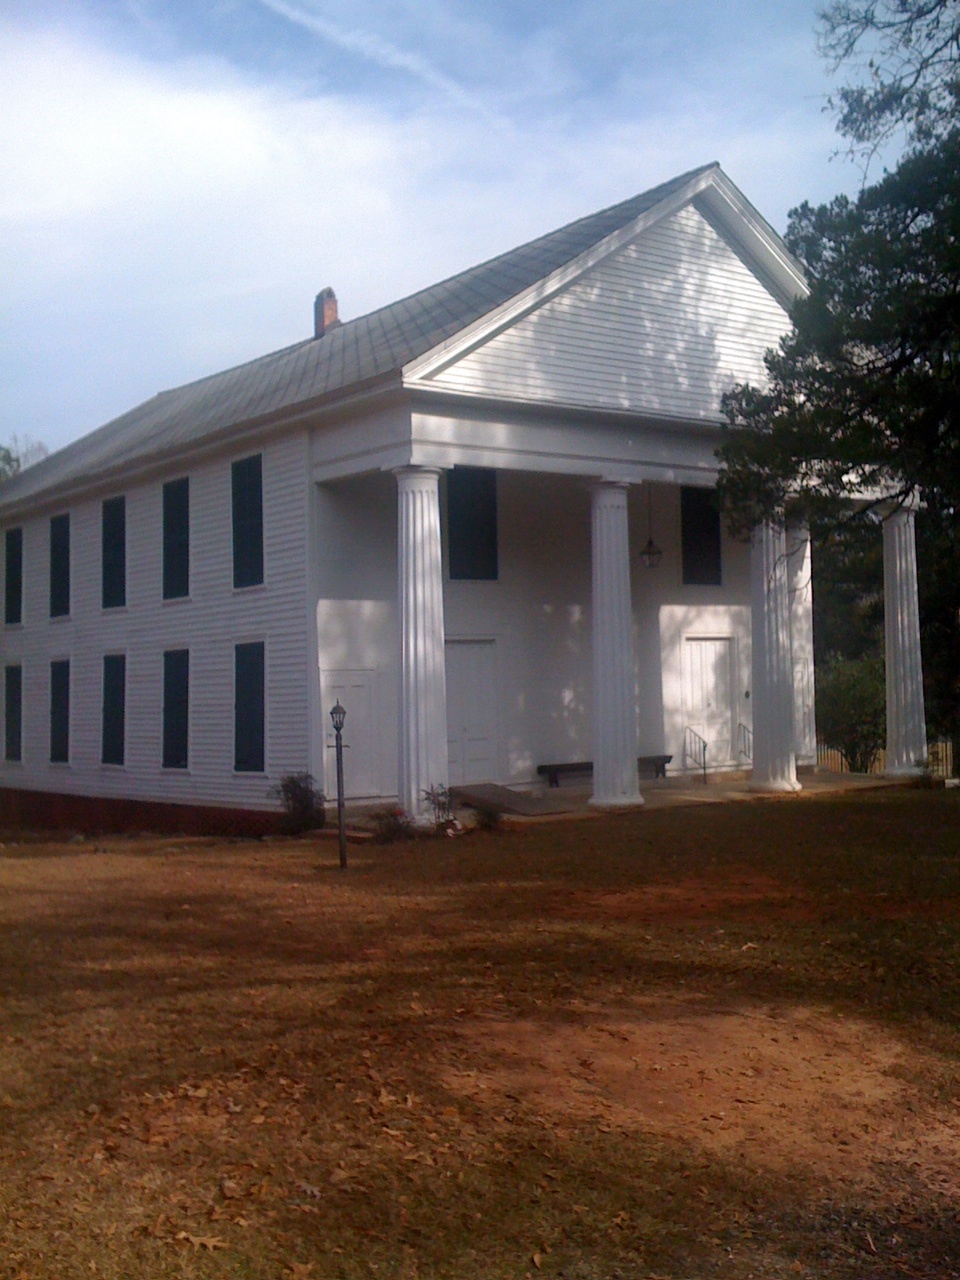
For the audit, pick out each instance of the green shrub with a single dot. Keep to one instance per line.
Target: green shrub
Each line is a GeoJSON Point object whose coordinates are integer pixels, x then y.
{"type": "Point", "coordinates": [852, 709]}
{"type": "Point", "coordinates": [489, 817]}
{"type": "Point", "coordinates": [303, 803]}
{"type": "Point", "coordinates": [390, 825]}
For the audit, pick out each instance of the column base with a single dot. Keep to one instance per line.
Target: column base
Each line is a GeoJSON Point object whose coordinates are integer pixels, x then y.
{"type": "Point", "coordinates": [783, 785]}
{"type": "Point", "coordinates": [905, 771]}
{"type": "Point", "coordinates": [423, 821]}
{"type": "Point", "coordinates": [617, 802]}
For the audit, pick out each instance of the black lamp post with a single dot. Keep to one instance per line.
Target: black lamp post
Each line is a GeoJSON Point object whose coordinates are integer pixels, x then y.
{"type": "Point", "coordinates": [338, 716]}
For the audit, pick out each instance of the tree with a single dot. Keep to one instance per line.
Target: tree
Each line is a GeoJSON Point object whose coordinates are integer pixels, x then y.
{"type": "Point", "coordinates": [19, 454]}
{"type": "Point", "coordinates": [908, 52]}
{"type": "Point", "coordinates": [864, 392]}
{"type": "Point", "coordinates": [863, 396]}
{"type": "Point", "coordinates": [851, 709]}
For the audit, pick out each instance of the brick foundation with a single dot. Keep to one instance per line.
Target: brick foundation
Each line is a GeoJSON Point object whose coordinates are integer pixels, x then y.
{"type": "Point", "coordinates": [51, 811]}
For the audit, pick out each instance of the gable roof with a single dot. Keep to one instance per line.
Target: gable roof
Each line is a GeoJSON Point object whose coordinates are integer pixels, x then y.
{"type": "Point", "coordinates": [355, 354]}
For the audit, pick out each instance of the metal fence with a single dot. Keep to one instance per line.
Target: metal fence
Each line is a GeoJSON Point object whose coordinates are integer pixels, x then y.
{"type": "Point", "coordinates": [939, 759]}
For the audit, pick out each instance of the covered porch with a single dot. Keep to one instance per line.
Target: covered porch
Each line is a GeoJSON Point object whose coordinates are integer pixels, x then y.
{"type": "Point", "coordinates": [569, 647]}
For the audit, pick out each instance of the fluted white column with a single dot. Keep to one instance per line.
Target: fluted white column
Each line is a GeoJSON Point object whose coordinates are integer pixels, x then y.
{"type": "Point", "coordinates": [906, 725]}
{"type": "Point", "coordinates": [800, 584]}
{"type": "Point", "coordinates": [614, 691]}
{"type": "Point", "coordinates": [774, 761]}
{"type": "Point", "coordinates": [423, 683]}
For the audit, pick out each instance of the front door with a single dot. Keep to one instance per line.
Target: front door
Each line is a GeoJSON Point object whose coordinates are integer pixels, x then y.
{"type": "Point", "coordinates": [707, 690]}
{"type": "Point", "coordinates": [471, 712]}
{"type": "Point", "coordinates": [356, 693]}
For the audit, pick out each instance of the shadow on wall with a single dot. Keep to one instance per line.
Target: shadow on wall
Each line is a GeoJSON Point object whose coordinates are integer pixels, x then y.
{"type": "Point", "coordinates": [662, 327]}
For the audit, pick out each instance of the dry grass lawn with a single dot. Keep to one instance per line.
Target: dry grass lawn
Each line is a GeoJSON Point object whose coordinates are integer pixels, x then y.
{"type": "Point", "coordinates": [704, 1042]}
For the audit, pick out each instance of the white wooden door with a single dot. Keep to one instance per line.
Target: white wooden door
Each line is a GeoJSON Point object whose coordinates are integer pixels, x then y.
{"type": "Point", "coordinates": [707, 694]}
{"type": "Point", "coordinates": [356, 692]}
{"type": "Point", "coordinates": [471, 712]}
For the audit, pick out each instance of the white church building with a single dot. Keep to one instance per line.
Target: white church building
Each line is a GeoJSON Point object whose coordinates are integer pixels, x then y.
{"type": "Point", "coordinates": [481, 518]}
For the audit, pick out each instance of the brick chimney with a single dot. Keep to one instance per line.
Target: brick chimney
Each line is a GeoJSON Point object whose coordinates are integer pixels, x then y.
{"type": "Point", "coordinates": [324, 312]}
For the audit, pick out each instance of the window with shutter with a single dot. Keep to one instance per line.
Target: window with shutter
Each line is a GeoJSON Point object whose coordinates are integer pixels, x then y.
{"type": "Point", "coordinates": [60, 711]}
{"type": "Point", "coordinates": [249, 666]}
{"type": "Point", "coordinates": [247, 494]}
{"type": "Point", "coordinates": [114, 707]}
{"type": "Point", "coordinates": [113, 553]}
{"type": "Point", "coordinates": [13, 713]}
{"type": "Point", "coordinates": [60, 566]}
{"type": "Point", "coordinates": [176, 539]}
{"type": "Point", "coordinates": [13, 583]}
{"type": "Point", "coordinates": [700, 538]}
{"type": "Point", "coordinates": [472, 524]}
{"type": "Point", "coordinates": [176, 708]}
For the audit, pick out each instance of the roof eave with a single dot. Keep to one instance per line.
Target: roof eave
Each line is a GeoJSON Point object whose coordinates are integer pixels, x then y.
{"type": "Point", "coordinates": [237, 434]}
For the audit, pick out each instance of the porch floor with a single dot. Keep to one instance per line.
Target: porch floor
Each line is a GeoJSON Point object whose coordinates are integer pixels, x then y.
{"type": "Point", "coordinates": [535, 804]}
{"type": "Point", "coordinates": [673, 792]}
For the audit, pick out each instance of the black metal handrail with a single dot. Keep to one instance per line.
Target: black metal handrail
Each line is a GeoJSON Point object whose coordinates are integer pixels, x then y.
{"type": "Point", "coordinates": [744, 742]}
{"type": "Point", "coordinates": [695, 749]}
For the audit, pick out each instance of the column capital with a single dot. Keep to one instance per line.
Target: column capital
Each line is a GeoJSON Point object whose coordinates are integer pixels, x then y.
{"type": "Point", "coordinates": [408, 476]}
{"type": "Point", "coordinates": [904, 507]}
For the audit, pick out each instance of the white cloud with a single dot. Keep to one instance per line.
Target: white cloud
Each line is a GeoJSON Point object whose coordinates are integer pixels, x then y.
{"type": "Point", "coordinates": [372, 46]}
{"type": "Point", "coordinates": [163, 221]}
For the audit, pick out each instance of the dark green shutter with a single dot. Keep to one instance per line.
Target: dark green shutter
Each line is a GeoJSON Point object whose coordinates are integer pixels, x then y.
{"type": "Point", "coordinates": [176, 708]}
{"type": "Point", "coordinates": [472, 523]}
{"type": "Point", "coordinates": [13, 713]}
{"type": "Point", "coordinates": [176, 539]}
{"type": "Point", "coordinates": [249, 663]}
{"type": "Point", "coordinates": [247, 492]}
{"type": "Point", "coordinates": [113, 560]}
{"type": "Point", "coordinates": [700, 538]}
{"type": "Point", "coordinates": [13, 583]}
{"type": "Point", "coordinates": [114, 707]}
{"type": "Point", "coordinates": [59, 566]}
{"type": "Point", "coordinates": [60, 711]}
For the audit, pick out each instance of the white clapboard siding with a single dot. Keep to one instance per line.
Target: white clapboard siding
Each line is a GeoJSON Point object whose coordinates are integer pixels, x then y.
{"type": "Point", "coordinates": [663, 326]}
{"type": "Point", "coordinates": [209, 624]}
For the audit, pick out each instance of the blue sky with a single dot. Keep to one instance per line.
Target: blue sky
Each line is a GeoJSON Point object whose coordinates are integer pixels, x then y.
{"type": "Point", "coordinates": [178, 178]}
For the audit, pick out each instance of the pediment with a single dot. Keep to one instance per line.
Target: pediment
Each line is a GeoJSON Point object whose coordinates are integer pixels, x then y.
{"type": "Point", "coordinates": [660, 326]}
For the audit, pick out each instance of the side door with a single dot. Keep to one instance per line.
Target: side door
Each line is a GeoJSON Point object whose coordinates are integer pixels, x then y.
{"type": "Point", "coordinates": [356, 693]}
{"type": "Point", "coordinates": [707, 693]}
{"type": "Point", "coordinates": [471, 711]}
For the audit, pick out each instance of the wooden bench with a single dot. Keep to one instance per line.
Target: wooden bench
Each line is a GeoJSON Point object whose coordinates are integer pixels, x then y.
{"type": "Point", "coordinates": [648, 767]}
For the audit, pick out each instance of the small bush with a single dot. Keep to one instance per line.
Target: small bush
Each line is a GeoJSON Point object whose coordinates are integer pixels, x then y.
{"type": "Point", "coordinates": [489, 817]}
{"type": "Point", "coordinates": [303, 803]}
{"type": "Point", "coordinates": [391, 825]}
{"type": "Point", "coordinates": [852, 709]}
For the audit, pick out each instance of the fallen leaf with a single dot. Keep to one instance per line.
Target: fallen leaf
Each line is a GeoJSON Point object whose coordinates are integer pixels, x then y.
{"type": "Point", "coordinates": [203, 1242]}
{"type": "Point", "coordinates": [536, 1260]}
